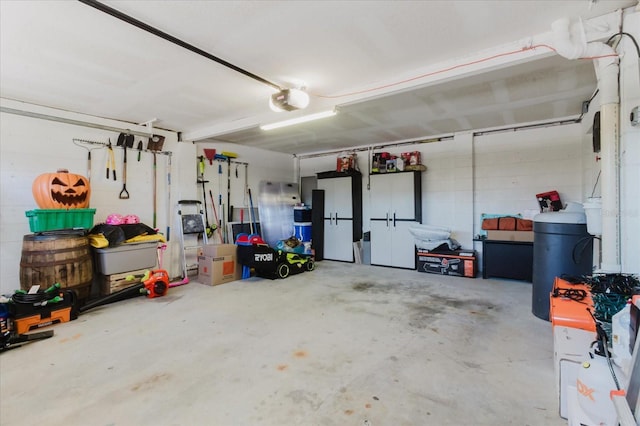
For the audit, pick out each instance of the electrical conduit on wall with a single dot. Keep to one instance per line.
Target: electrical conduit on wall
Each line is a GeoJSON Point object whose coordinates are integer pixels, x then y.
{"type": "Point", "coordinates": [607, 70]}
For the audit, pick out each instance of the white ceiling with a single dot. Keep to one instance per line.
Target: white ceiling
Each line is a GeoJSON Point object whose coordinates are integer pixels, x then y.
{"type": "Point", "coordinates": [67, 55]}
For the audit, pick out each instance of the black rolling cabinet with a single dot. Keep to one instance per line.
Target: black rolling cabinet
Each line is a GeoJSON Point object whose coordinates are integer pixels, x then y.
{"type": "Point", "coordinates": [507, 259]}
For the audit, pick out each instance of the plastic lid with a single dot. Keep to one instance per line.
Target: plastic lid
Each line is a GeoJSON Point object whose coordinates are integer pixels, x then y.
{"type": "Point", "coordinates": [572, 213]}
{"type": "Point", "coordinates": [561, 217]}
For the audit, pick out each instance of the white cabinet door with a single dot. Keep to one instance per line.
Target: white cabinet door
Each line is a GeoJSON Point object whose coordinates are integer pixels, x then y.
{"type": "Point", "coordinates": [337, 197]}
{"type": "Point", "coordinates": [337, 240]}
{"type": "Point", "coordinates": [403, 252]}
{"type": "Point", "coordinates": [392, 245]}
{"type": "Point", "coordinates": [393, 193]}
{"type": "Point", "coordinates": [381, 191]}
{"type": "Point", "coordinates": [403, 196]}
{"type": "Point", "coordinates": [342, 198]}
{"type": "Point", "coordinates": [380, 242]}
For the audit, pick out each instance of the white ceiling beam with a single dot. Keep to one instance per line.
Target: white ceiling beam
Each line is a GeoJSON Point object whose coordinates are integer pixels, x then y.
{"type": "Point", "coordinates": [37, 111]}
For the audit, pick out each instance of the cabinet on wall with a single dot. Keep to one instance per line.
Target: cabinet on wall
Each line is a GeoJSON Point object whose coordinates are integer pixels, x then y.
{"type": "Point", "coordinates": [342, 217]}
{"type": "Point", "coordinates": [396, 204]}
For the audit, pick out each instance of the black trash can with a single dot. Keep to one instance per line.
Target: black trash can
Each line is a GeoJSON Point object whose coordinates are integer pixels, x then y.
{"type": "Point", "coordinates": [561, 246]}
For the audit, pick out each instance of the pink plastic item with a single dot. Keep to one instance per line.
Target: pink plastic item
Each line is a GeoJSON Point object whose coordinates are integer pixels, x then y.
{"type": "Point", "coordinates": [131, 218]}
{"type": "Point", "coordinates": [115, 219]}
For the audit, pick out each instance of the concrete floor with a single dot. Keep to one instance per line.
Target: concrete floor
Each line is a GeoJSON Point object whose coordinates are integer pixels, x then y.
{"type": "Point", "coordinates": [343, 345]}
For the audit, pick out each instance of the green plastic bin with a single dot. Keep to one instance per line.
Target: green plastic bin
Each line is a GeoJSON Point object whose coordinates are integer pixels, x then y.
{"type": "Point", "coordinates": [54, 219]}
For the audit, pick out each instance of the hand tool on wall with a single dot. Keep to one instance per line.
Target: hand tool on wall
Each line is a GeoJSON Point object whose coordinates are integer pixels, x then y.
{"type": "Point", "coordinates": [210, 154]}
{"type": "Point", "coordinates": [124, 194]}
{"type": "Point", "coordinates": [246, 185]}
{"type": "Point", "coordinates": [89, 164]}
{"type": "Point", "coordinates": [139, 150]}
{"type": "Point", "coordinates": [252, 216]}
{"type": "Point", "coordinates": [230, 211]}
{"type": "Point", "coordinates": [220, 205]}
{"type": "Point", "coordinates": [86, 145]}
{"type": "Point", "coordinates": [111, 160]}
{"type": "Point", "coordinates": [209, 230]}
{"type": "Point", "coordinates": [168, 197]}
{"type": "Point", "coordinates": [155, 143]}
{"type": "Point", "coordinates": [215, 214]}
{"type": "Point", "coordinates": [125, 141]}
{"type": "Point", "coordinates": [155, 190]}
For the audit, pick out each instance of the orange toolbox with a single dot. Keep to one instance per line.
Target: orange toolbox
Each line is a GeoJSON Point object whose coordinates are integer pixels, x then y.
{"type": "Point", "coordinates": [567, 310]}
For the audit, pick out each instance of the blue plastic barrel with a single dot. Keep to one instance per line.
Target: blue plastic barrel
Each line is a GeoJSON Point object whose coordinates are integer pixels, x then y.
{"type": "Point", "coordinates": [302, 231]}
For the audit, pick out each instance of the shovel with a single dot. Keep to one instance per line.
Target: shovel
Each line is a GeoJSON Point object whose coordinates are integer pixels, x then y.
{"type": "Point", "coordinates": [155, 143]}
{"type": "Point", "coordinates": [125, 141]}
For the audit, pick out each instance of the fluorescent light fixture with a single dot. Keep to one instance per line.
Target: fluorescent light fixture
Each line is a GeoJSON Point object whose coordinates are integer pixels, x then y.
{"type": "Point", "coordinates": [299, 120]}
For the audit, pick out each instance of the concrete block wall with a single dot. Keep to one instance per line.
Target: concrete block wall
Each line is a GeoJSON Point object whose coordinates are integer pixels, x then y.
{"type": "Point", "coordinates": [512, 167]}
{"type": "Point", "coordinates": [495, 173]}
{"type": "Point", "coordinates": [32, 146]}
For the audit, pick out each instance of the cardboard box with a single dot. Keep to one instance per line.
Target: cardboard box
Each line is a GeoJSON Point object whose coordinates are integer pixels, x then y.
{"type": "Point", "coordinates": [526, 236]}
{"type": "Point", "coordinates": [391, 166]}
{"type": "Point", "coordinates": [379, 162]}
{"type": "Point", "coordinates": [461, 263]}
{"type": "Point", "coordinates": [345, 163]}
{"type": "Point", "coordinates": [549, 201]}
{"type": "Point", "coordinates": [217, 250]}
{"type": "Point", "coordinates": [218, 270]}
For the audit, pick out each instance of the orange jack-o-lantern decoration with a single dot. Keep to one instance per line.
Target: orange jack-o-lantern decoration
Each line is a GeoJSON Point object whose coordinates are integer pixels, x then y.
{"type": "Point", "coordinates": [61, 190]}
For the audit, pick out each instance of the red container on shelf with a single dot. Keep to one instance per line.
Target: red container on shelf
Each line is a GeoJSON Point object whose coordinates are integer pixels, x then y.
{"type": "Point", "coordinates": [345, 163]}
{"type": "Point", "coordinates": [411, 158]}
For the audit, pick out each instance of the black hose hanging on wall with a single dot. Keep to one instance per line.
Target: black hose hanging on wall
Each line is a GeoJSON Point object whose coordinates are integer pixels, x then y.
{"type": "Point", "coordinates": [148, 28]}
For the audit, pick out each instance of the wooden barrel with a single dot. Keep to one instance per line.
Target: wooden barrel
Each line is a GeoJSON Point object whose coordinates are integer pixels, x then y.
{"type": "Point", "coordinates": [57, 258]}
